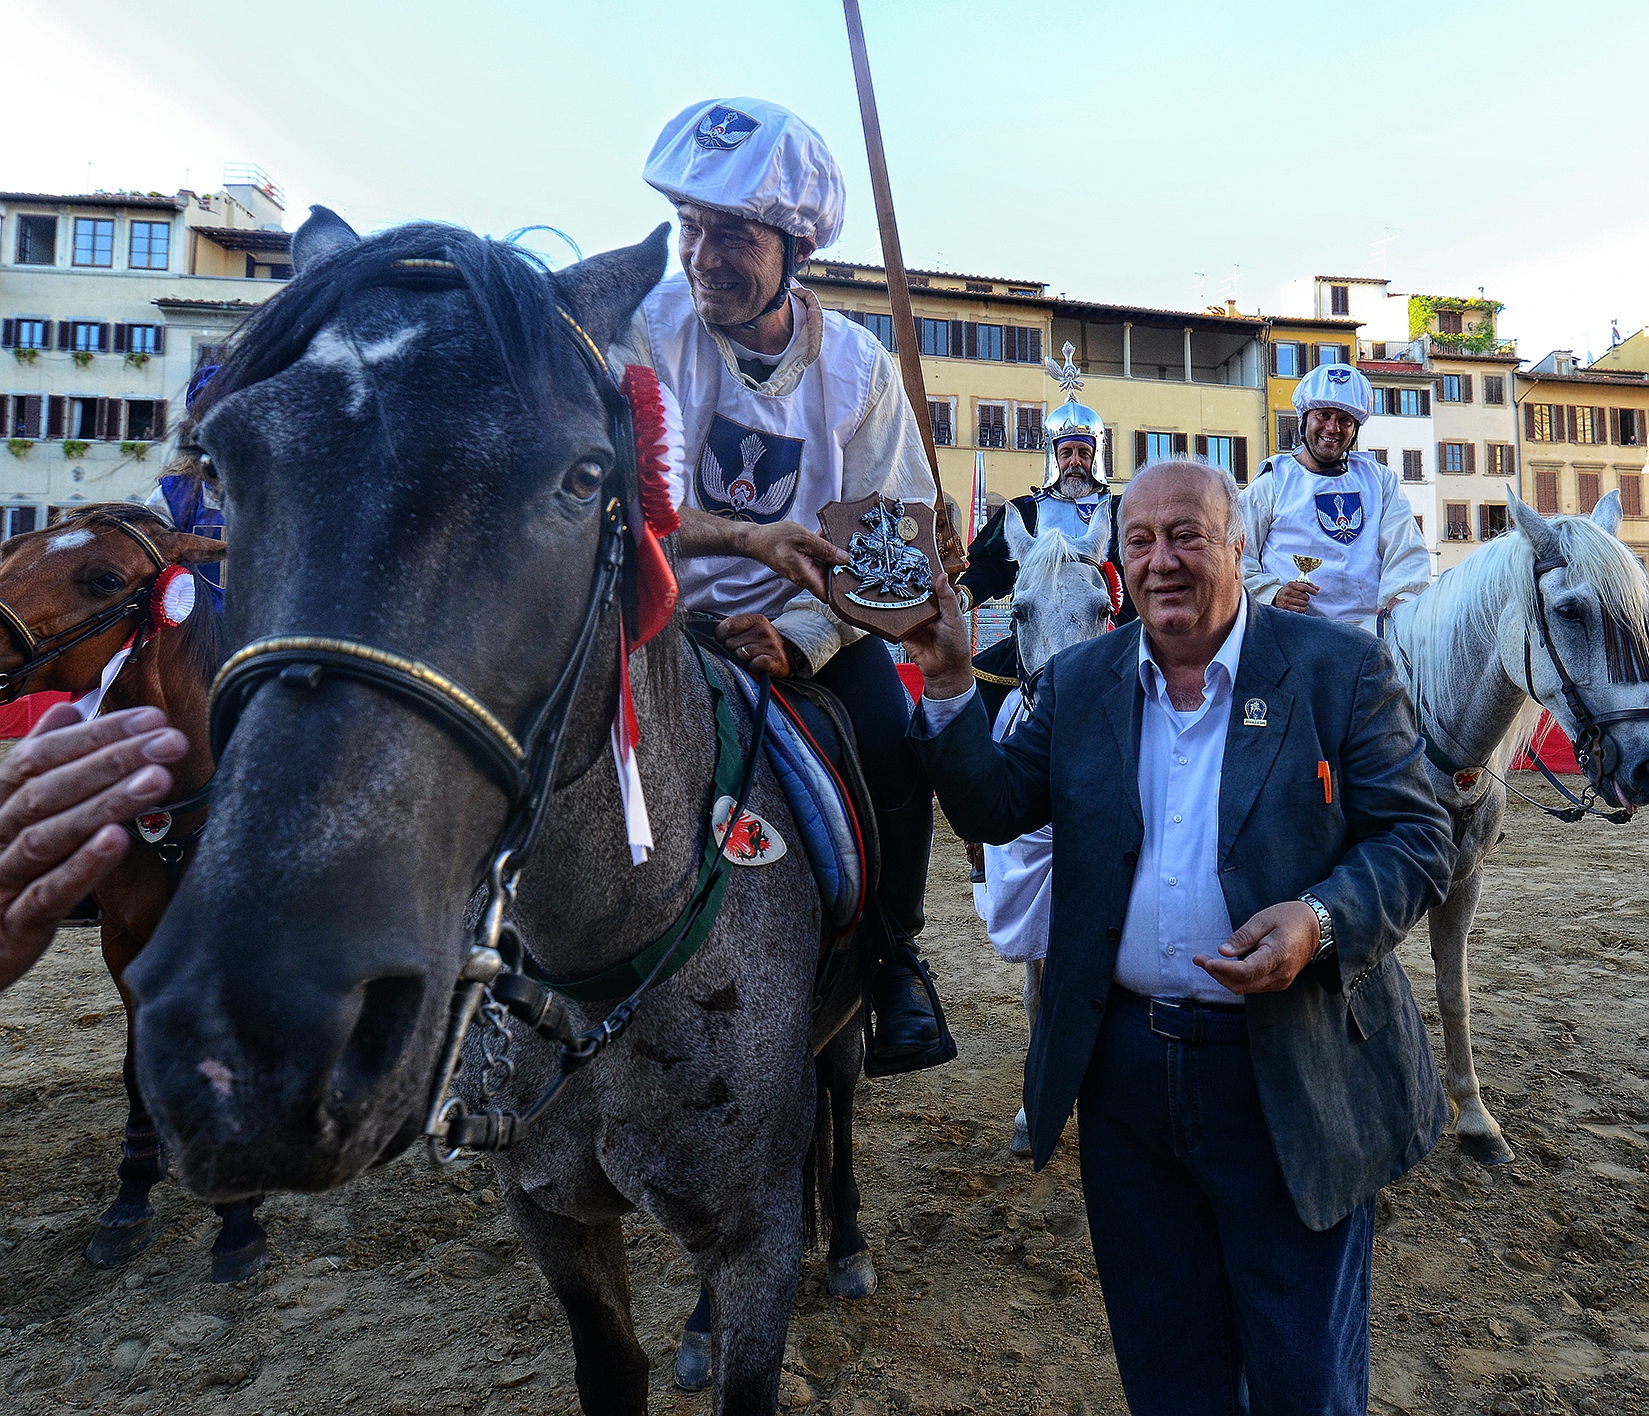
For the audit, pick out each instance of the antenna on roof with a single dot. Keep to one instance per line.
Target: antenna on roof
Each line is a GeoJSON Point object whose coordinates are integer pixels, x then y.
{"type": "Point", "coordinates": [1384, 244]}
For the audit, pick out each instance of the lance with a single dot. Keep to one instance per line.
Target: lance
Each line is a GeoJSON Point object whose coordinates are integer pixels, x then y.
{"type": "Point", "coordinates": [951, 550]}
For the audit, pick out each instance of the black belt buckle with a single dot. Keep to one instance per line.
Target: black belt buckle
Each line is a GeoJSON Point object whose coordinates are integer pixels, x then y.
{"type": "Point", "coordinates": [1172, 1019]}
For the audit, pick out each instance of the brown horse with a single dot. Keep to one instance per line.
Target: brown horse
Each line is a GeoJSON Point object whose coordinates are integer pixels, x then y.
{"type": "Point", "coordinates": [72, 597]}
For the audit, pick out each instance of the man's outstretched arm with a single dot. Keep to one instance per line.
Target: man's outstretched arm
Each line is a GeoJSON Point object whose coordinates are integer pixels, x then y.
{"type": "Point", "coordinates": [791, 550]}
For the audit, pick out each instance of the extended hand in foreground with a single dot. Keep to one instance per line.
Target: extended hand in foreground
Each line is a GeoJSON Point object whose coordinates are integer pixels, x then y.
{"type": "Point", "coordinates": [1266, 954]}
{"type": "Point", "coordinates": [941, 649]}
{"type": "Point", "coordinates": [63, 789]}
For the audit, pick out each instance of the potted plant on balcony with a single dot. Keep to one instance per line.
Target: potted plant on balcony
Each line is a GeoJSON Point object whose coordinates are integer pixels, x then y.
{"type": "Point", "coordinates": [19, 447]}
{"type": "Point", "coordinates": [74, 447]}
{"type": "Point", "coordinates": [81, 357]}
{"type": "Point", "coordinates": [25, 356]}
{"type": "Point", "coordinates": [136, 450]}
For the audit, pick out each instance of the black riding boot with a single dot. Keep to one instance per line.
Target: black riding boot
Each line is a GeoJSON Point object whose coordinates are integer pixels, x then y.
{"type": "Point", "coordinates": [907, 1030]}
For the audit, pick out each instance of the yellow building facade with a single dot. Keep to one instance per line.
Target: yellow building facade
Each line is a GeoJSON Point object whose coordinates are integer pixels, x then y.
{"type": "Point", "coordinates": [1294, 348]}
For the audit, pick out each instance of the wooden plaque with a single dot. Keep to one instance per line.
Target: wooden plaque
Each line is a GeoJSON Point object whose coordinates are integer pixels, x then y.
{"type": "Point", "coordinates": [887, 590]}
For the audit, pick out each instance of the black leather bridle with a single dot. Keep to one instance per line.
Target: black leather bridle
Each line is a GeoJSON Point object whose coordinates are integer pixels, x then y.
{"type": "Point", "coordinates": [37, 653]}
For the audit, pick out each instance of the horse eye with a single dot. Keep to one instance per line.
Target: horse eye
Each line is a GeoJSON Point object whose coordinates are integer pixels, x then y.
{"type": "Point", "coordinates": [108, 583]}
{"type": "Point", "coordinates": [583, 480]}
{"type": "Point", "coordinates": [1568, 612]}
{"type": "Point", "coordinates": [1021, 613]}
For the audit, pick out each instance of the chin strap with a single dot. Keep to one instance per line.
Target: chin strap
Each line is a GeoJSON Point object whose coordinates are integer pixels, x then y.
{"type": "Point", "coordinates": [777, 302]}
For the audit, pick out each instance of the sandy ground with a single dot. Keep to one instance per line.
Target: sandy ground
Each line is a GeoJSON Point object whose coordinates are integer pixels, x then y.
{"type": "Point", "coordinates": [1518, 1290]}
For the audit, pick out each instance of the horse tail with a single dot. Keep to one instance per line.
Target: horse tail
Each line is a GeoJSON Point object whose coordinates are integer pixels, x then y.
{"type": "Point", "coordinates": [818, 1191]}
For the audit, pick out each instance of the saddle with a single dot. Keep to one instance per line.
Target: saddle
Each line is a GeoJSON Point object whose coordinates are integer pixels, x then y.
{"type": "Point", "coordinates": [811, 748]}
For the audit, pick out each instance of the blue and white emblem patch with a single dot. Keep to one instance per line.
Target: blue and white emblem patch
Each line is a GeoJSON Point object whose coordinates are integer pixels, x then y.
{"type": "Point", "coordinates": [747, 475]}
{"type": "Point", "coordinates": [1340, 514]}
{"type": "Point", "coordinates": [723, 129]}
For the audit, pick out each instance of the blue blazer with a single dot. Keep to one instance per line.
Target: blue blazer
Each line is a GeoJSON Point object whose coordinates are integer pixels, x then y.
{"type": "Point", "coordinates": [1344, 1067]}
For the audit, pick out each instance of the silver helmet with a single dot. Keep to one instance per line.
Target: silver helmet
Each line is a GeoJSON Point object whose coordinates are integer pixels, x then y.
{"type": "Point", "coordinates": [1071, 421]}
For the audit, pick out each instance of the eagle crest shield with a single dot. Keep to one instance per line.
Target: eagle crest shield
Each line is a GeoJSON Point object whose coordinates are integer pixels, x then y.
{"type": "Point", "coordinates": [746, 474]}
{"type": "Point", "coordinates": [1340, 514]}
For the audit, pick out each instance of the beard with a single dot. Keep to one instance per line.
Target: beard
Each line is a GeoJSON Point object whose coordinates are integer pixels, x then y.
{"type": "Point", "coordinates": [1075, 483]}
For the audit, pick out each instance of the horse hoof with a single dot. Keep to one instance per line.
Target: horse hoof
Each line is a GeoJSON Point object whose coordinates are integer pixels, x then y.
{"type": "Point", "coordinates": [693, 1362]}
{"type": "Point", "coordinates": [1021, 1142]}
{"type": "Point", "coordinates": [854, 1277]}
{"type": "Point", "coordinates": [236, 1265]}
{"type": "Point", "coordinates": [115, 1244]}
{"type": "Point", "coordinates": [1487, 1150]}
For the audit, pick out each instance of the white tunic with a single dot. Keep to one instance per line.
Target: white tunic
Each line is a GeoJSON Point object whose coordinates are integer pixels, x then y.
{"type": "Point", "coordinates": [1359, 524]}
{"type": "Point", "coordinates": [1018, 894]}
{"type": "Point", "coordinates": [831, 423]}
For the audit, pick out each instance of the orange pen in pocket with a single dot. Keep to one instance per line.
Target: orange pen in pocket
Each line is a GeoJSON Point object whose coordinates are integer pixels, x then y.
{"type": "Point", "coordinates": [1328, 783]}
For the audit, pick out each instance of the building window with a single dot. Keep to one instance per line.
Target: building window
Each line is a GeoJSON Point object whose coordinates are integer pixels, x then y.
{"type": "Point", "coordinates": [1545, 493]}
{"type": "Point", "coordinates": [145, 419]}
{"type": "Point", "coordinates": [993, 424]}
{"type": "Point", "coordinates": [1492, 521]}
{"type": "Point", "coordinates": [1448, 389]}
{"type": "Point", "coordinates": [1494, 390]}
{"type": "Point", "coordinates": [94, 241]}
{"type": "Point", "coordinates": [985, 342]}
{"type": "Point", "coordinates": [1631, 494]}
{"type": "Point", "coordinates": [1219, 451]}
{"type": "Point", "coordinates": [934, 338]}
{"type": "Point", "coordinates": [1385, 402]}
{"type": "Point", "coordinates": [1582, 425]}
{"type": "Point", "coordinates": [1590, 487]}
{"type": "Point", "coordinates": [1288, 431]}
{"type": "Point", "coordinates": [140, 339]}
{"type": "Point", "coordinates": [1414, 403]}
{"type": "Point", "coordinates": [1339, 299]}
{"type": "Point", "coordinates": [83, 420]}
{"type": "Point", "coordinates": [1501, 463]}
{"type": "Point", "coordinates": [151, 241]}
{"type": "Point", "coordinates": [882, 327]}
{"type": "Point", "coordinates": [1456, 457]}
{"type": "Point", "coordinates": [17, 520]}
{"type": "Point", "coordinates": [1022, 344]}
{"type": "Point", "coordinates": [1159, 446]}
{"type": "Point", "coordinates": [25, 333]}
{"type": "Point", "coordinates": [1379, 454]}
{"type": "Point", "coordinates": [83, 336]}
{"type": "Point", "coordinates": [1631, 426]}
{"type": "Point", "coordinates": [1543, 422]}
{"type": "Point", "coordinates": [1448, 322]}
{"type": "Point", "coordinates": [1287, 359]}
{"type": "Point", "coordinates": [1458, 526]}
{"type": "Point", "coordinates": [940, 421]}
{"type": "Point", "coordinates": [1027, 435]}
{"type": "Point", "coordinates": [36, 243]}
{"type": "Point", "coordinates": [1414, 466]}
{"type": "Point", "coordinates": [1332, 354]}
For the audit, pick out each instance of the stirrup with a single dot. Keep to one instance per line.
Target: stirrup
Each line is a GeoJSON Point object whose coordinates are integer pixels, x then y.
{"type": "Point", "coordinates": [937, 1055]}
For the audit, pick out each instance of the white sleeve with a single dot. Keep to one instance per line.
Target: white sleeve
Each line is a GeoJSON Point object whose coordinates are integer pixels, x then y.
{"type": "Point", "coordinates": [814, 628]}
{"type": "Point", "coordinates": [1405, 563]}
{"type": "Point", "coordinates": [885, 453]}
{"type": "Point", "coordinates": [1259, 507]}
{"type": "Point", "coordinates": [156, 502]}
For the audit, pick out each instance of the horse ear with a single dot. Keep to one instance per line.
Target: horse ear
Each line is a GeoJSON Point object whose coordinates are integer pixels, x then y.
{"type": "Point", "coordinates": [181, 548]}
{"type": "Point", "coordinates": [324, 234]}
{"type": "Point", "coordinates": [1607, 512]}
{"type": "Point", "coordinates": [1096, 540]}
{"type": "Point", "coordinates": [1020, 540]}
{"type": "Point", "coordinates": [604, 290]}
{"type": "Point", "coordinates": [1537, 531]}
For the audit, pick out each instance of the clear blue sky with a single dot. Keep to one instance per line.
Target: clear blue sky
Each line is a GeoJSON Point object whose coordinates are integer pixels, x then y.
{"type": "Point", "coordinates": [1111, 150]}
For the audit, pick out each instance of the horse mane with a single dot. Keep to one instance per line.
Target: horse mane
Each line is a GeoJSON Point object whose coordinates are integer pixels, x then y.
{"type": "Point", "coordinates": [1464, 606]}
{"type": "Point", "coordinates": [514, 292]}
{"type": "Point", "coordinates": [1039, 572]}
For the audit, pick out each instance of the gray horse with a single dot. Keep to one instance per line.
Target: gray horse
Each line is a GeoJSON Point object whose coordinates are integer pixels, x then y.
{"type": "Point", "coordinates": [1473, 653]}
{"type": "Point", "coordinates": [415, 457]}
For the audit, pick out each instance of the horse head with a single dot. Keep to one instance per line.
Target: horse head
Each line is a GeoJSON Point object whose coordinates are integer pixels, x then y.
{"type": "Point", "coordinates": [414, 452]}
{"type": "Point", "coordinates": [72, 594]}
{"type": "Point", "coordinates": [1061, 595]}
{"type": "Point", "coordinates": [1579, 641]}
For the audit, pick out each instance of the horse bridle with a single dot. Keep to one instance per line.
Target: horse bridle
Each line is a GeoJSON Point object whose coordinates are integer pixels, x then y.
{"type": "Point", "coordinates": [524, 768]}
{"type": "Point", "coordinates": [40, 652]}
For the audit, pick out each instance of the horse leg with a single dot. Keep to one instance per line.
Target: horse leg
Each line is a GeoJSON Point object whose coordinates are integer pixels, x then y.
{"type": "Point", "coordinates": [242, 1247]}
{"type": "Point", "coordinates": [852, 1273]}
{"type": "Point", "coordinates": [1021, 1142]}
{"type": "Point", "coordinates": [126, 1228]}
{"type": "Point", "coordinates": [752, 1295]}
{"type": "Point", "coordinates": [1476, 1130]}
{"type": "Point", "coordinates": [585, 1265]}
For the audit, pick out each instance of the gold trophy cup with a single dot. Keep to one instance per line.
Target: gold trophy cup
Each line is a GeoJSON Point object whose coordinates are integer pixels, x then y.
{"type": "Point", "coordinates": [1307, 564]}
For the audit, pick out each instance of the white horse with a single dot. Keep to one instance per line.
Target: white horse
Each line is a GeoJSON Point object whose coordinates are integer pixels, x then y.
{"type": "Point", "coordinates": [1062, 596]}
{"type": "Point", "coordinates": [1489, 644]}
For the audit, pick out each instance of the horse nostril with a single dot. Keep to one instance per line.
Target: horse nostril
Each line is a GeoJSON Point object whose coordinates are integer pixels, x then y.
{"type": "Point", "coordinates": [389, 1010]}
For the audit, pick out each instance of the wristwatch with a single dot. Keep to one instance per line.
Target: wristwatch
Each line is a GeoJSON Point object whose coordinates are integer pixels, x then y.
{"type": "Point", "coordinates": [1325, 924]}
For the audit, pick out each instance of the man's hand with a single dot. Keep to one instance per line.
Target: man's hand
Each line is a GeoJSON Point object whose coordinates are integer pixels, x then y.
{"type": "Point", "coordinates": [796, 553]}
{"type": "Point", "coordinates": [62, 789]}
{"type": "Point", "coordinates": [1267, 953]}
{"type": "Point", "coordinates": [755, 644]}
{"type": "Point", "coordinates": [941, 649]}
{"type": "Point", "coordinates": [1296, 595]}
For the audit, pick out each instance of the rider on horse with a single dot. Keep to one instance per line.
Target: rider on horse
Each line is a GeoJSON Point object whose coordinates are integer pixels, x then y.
{"type": "Point", "coordinates": [787, 407]}
{"type": "Point", "coordinates": [1073, 492]}
{"type": "Point", "coordinates": [1316, 503]}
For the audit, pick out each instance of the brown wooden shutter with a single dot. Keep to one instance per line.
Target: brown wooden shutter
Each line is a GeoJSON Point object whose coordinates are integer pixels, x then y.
{"type": "Point", "coordinates": [1239, 460]}
{"type": "Point", "coordinates": [1439, 386]}
{"type": "Point", "coordinates": [65, 334]}
{"type": "Point", "coordinates": [1036, 346]}
{"type": "Point", "coordinates": [8, 334]}
{"type": "Point", "coordinates": [1110, 459]}
{"type": "Point", "coordinates": [56, 405]}
{"type": "Point", "coordinates": [1574, 423]}
{"type": "Point", "coordinates": [1471, 457]}
{"type": "Point", "coordinates": [970, 340]}
{"type": "Point", "coordinates": [1600, 421]}
{"type": "Point", "coordinates": [5, 416]}
{"type": "Point", "coordinates": [1528, 421]}
{"type": "Point", "coordinates": [1274, 373]}
{"type": "Point", "coordinates": [1182, 444]}
{"type": "Point", "coordinates": [31, 415]}
{"type": "Point", "coordinates": [1614, 426]}
{"type": "Point", "coordinates": [1139, 448]}
{"type": "Point", "coordinates": [1545, 493]}
{"type": "Point", "coordinates": [108, 418]}
{"type": "Point", "coordinates": [121, 337]}
{"type": "Point", "coordinates": [1631, 494]}
{"type": "Point", "coordinates": [157, 426]}
{"type": "Point", "coordinates": [1465, 388]}
{"type": "Point", "coordinates": [160, 339]}
{"type": "Point", "coordinates": [1202, 445]}
{"type": "Point", "coordinates": [1442, 461]}
{"type": "Point", "coordinates": [1425, 403]}
{"type": "Point", "coordinates": [1482, 521]}
{"type": "Point", "coordinates": [103, 342]}
{"type": "Point", "coordinates": [957, 339]}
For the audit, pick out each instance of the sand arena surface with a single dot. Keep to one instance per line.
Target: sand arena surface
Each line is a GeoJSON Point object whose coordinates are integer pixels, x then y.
{"type": "Point", "coordinates": [1519, 1290]}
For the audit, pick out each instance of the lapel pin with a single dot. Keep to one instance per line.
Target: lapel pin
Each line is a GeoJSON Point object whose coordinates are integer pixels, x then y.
{"type": "Point", "coordinates": [1253, 713]}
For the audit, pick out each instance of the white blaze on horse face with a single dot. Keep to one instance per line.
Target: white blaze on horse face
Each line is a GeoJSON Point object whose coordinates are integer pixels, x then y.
{"type": "Point", "coordinates": [331, 350]}
{"type": "Point", "coordinates": [69, 540]}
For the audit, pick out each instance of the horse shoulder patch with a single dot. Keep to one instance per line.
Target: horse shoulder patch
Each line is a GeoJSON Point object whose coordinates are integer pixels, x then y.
{"type": "Point", "coordinates": [747, 474]}
{"type": "Point", "coordinates": [751, 841]}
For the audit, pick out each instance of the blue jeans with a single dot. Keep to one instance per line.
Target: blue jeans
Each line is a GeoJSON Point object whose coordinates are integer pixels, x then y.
{"type": "Point", "coordinates": [1220, 1299]}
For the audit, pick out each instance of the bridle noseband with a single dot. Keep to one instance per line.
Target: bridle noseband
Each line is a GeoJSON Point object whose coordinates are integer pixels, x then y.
{"type": "Point", "coordinates": [37, 653]}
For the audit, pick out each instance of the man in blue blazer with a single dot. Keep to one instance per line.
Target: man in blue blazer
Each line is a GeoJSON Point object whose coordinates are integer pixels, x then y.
{"type": "Point", "coordinates": [1243, 834]}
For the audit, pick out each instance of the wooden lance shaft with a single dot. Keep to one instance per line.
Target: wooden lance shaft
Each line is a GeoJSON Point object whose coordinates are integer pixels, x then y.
{"type": "Point", "coordinates": [951, 550]}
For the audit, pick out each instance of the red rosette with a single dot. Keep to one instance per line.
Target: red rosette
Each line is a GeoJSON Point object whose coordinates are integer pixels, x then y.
{"type": "Point", "coordinates": [1113, 583]}
{"type": "Point", "coordinates": [640, 386]}
{"type": "Point", "coordinates": [173, 598]}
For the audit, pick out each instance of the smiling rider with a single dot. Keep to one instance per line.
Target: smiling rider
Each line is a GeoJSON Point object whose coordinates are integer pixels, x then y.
{"type": "Point", "coordinates": [1345, 508]}
{"type": "Point", "coordinates": [786, 407]}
